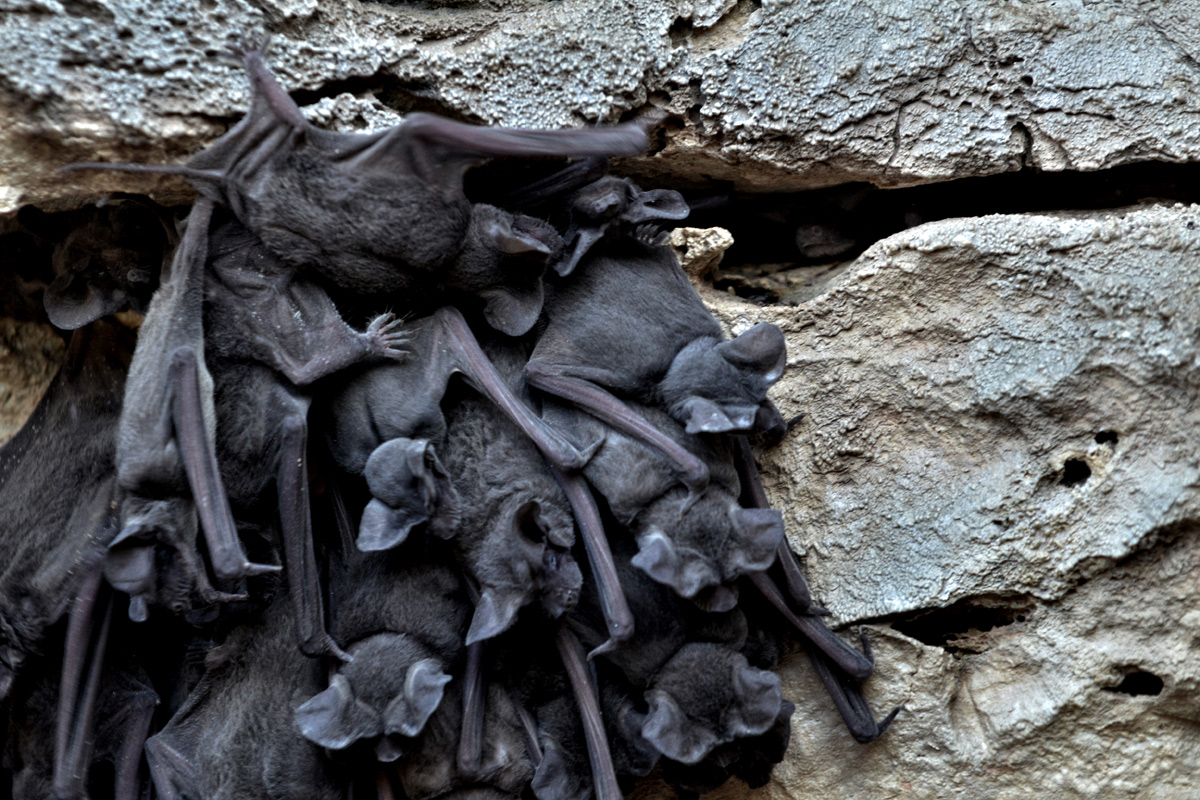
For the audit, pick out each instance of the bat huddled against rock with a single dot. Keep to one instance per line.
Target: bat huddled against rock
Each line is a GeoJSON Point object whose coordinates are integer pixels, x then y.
{"type": "Point", "coordinates": [524, 545]}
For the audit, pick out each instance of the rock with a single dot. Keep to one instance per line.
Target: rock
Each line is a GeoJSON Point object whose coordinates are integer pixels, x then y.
{"type": "Point", "coordinates": [30, 354]}
{"type": "Point", "coordinates": [772, 95]}
{"type": "Point", "coordinates": [997, 453]}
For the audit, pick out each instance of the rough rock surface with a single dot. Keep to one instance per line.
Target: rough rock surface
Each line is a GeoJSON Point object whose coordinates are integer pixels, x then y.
{"type": "Point", "coordinates": [772, 94]}
{"type": "Point", "coordinates": [947, 382]}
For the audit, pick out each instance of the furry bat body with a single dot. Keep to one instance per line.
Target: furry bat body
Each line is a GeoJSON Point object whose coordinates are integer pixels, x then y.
{"type": "Point", "coordinates": [234, 737]}
{"type": "Point", "coordinates": [627, 326]}
{"type": "Point", "coordinates": [165, 458]}
{"type": "Point", "coordinates": [402, 616]}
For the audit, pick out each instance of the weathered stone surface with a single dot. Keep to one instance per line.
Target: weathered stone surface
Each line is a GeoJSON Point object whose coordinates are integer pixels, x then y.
{"type": "Point", "coordinates": [767, 95]}
{"type": "Point", "coordinates": [945, 380]}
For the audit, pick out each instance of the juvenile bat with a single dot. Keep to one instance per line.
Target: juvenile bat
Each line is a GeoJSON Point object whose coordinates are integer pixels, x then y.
{"type": "Point", "coordinates": [402, 616]}
{"type": "Point", "coordinates": [269, 334]}
{"type": "Point", "coordinates": [165, 456]}
{"type": "Point", "coordinates": [370, 213]}
{"type": "Point", "coordinates": [626, 326]}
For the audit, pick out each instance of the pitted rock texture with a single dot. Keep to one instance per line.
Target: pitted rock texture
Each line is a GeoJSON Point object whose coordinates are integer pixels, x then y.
{"type": "Point", "coordinates": [765, 95]}
{"type": "Point", "coordinates": [997, 453]}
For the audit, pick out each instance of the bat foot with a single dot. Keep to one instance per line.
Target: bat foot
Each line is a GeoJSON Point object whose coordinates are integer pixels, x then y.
{"type": "Point", "coordinates": [385, 337]}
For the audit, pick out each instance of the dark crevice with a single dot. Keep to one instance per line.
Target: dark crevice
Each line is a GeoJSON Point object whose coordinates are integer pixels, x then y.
{"type": "Point", "coordinates": [399, 96]}
{"type": "Point", "coordinates": [1106, 437]}
{"type": "Point", "coordinates": [774, 233]}
{"type": "Point", "coordinates": [1075, 471]}
{"type": "Point", "coordinates": [958, 628]}
{"type": "Point", "coordinates": [1136, 683]}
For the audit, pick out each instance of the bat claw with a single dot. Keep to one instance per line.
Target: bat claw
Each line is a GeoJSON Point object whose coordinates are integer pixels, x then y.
{"type": "Point", "coordinates": [607, 647]}
{"type": "Point", "coordinates": [385, 337]}
{"type": "Point", "coordinates": [249, 570]}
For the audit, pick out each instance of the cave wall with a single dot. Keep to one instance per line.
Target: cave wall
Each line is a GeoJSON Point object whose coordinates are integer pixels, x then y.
{"type": "Point", "coordinates": [994, 466]}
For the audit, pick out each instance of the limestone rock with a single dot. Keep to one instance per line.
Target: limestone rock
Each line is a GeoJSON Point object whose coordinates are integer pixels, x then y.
{"type": "Point", "coordinates": [767, 95]}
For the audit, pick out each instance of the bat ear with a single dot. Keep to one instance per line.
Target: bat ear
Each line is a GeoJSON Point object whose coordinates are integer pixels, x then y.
{"type": "Point", "coordinates": [520, 239]}
{"type": "Point", "coordinates": [335, 718]}
{"type": "Point", "coordinates": [759, 699]}
{"type": "Point", "coordinates": [673, 733]}
{"type": "Point", "coordinates": [424, 685]}
{"type": "Point", "coordinates": [659, 558]}
{"type": "Point", "coordinates": [408, 483]}
{"type": "Point", "coordinates": [583, 243]}
{"type": "Point", "coordinates": [72, 301]}
{"type": "Point", "coordinates": [760, 530]}
{"type": "Point", "coordinates": [514, 310]}
{"type": "Point", "coordinates": [493, 615]}
{"type": "Point", "coordinates": [761, 350]}
{"type": "Point", "coordinates": [704, 416]}
{"type": "Point", "coordinates": [657, 204]}
{"type": "Point", "coordinates": [717, 599]}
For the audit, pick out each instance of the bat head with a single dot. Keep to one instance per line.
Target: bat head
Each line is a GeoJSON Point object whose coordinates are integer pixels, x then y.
{"type": "Point", "coordinates": [524, 556]}
{"type": "Point", "coordinates": [614, 204]}
{"type": "Point", "coordinates": [386, 695]}
{"type": "Point", "coordinates": [705, 696]}
{"type": "Point", "coordinates": [108, 262]}
{"type": "Point", "coordinates": [718, 387]}
{"type": "Point", "coordinates": [410, 486]}
{"type": "Point", "coordinates": [750, 759]}
{"type": "Point", "coordinates": [501, 262]}
{"type": "Point", "coordinates": [152, 559]}
{"type": "Point", "coordinates": [714, 542]}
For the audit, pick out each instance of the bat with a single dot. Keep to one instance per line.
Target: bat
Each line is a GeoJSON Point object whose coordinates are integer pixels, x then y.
{"type": "Point", "coordinates": [403, 401]}
{"type": "Point", "coordinates": [626, 326]}
{"type": "Point", "coordinates": [57, 490]}
{"type": "Point", "coordinates": [269, 334]}
{"type": "Point", "coordinates": [401, 615]}
{"type": "Point", "coordinates": [165, 456]}
{"type": "Point", "coordinates": [375, 213]}
{"type": "Point", "coordinates": [838, 665]}
{"type": "Point", "coordinates": [505, 765]}
{"type": "Point", "coordinates": [233, 737]}
{"type": "Point", "coordinates": [700, 553]}
{"type": "Point", "coordinates": [105, 257]}
{"type": "Point", "coordinates": [515, 530]}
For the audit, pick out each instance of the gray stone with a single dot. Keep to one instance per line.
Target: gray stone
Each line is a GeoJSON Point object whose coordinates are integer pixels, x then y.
{"type": "Point", "coordinates": [771, 95]}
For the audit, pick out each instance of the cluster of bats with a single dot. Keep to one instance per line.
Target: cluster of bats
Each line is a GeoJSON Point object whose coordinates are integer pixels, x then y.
{"type": "Point", "coordinates": [550, 576]}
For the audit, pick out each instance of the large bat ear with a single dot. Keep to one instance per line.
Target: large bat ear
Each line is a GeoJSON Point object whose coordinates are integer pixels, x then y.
{"type": "Point", "coordinates": [761, 350]}
{"type": "Point", "coordinates": [424, 685]}
{"type": "Point", "coordinates": [494, 614]}
{"type": "Point", "coordinates": [758, 701]}
{"type": "Point", "coordinates": [73, 301]}
{"type": "Point", "coordinates": [408, 483]}
{"type": "Point", "coordinates": [514, 310]}
{"type": "Point", "coordinates": [657, 204]}
{"type": "Point", "coordinates": [674, 734]}
{"type": "Point", "coordinates": [663, 561]}
{"type": "Point", "coordinates": [758, 534]}
{"type": "Point", "coordinates": [704, 416]}
{"type": "Point", "coordinates": [336, 719]}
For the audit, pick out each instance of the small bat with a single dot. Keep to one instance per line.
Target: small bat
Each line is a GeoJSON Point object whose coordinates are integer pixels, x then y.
{"type": "Point", "coordinates": [165, 456]}
{"type": "Point", "coordinates": [105, 258]}
{"type": "Point", "coordinates": [370, 213]}
{"type": "Point", "coordinates": [269, 333]}
{"type": "Point", "coordinates": [701, 552]}
{"type": "Point", "coordinates": [514, 530]}
{"type": "Point", "coordinates": [627, 326]}
{"type": "Point", "coordinates": [57, 490]}
{"type": "Point", "coordinates": [402, 616]}
{"type": "Point", "coordinates": [402, 401]}
{"type": "Point", "coordinates": [234, 738]}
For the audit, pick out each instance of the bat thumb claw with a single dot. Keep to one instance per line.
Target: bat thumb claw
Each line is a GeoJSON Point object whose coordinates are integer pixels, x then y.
{"type": "Point", "coordinates": [607, 647]}
{"type": "Point", "coordinates": [249, 570]}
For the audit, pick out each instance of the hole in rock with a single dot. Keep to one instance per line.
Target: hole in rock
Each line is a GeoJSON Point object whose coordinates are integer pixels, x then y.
{"type": "Point", "coordinates": [1075, 471]}
{"type": "Point", "coordinates": [958, 627]}
{"type": "Point", "coordinates": [1106, 437]}
{"type": "Point", "coordinates": [1138, 682]}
